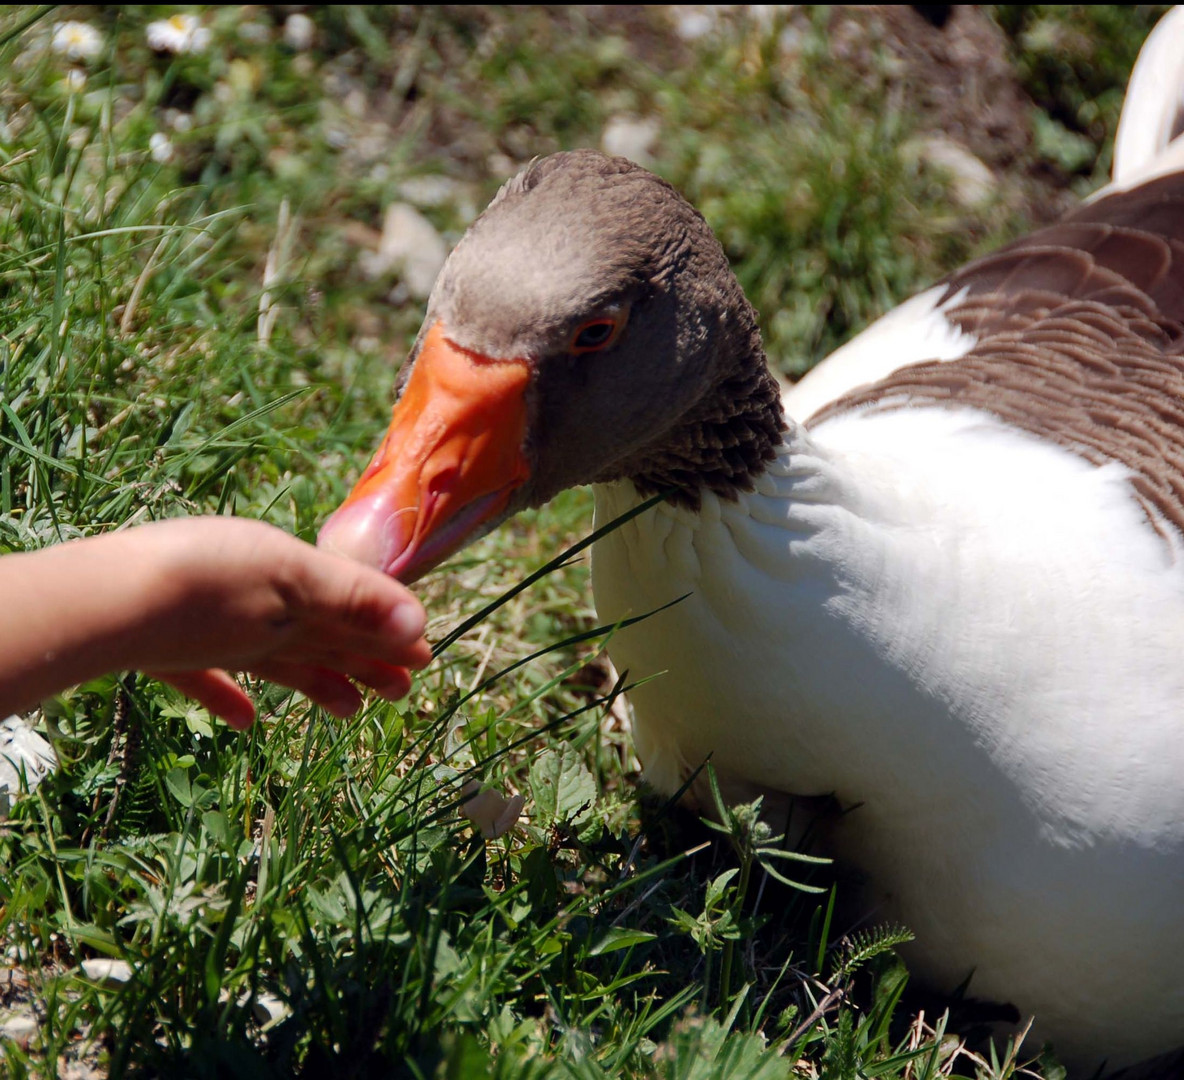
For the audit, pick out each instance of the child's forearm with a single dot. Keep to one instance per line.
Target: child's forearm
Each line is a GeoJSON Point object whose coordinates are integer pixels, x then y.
{"type": "Point", "coordinates": [70, 613]}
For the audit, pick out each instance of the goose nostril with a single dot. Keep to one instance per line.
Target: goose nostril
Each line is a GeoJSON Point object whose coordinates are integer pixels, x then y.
{"type": "Point", "coordinates": [443, 482]}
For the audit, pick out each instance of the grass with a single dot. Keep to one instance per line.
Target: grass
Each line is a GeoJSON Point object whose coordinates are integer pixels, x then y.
{"type": "Point", "coordinates": [192, 331]}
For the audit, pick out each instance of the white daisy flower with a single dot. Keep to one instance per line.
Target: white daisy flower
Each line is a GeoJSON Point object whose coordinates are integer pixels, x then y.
{"type": "Point", "coordinates": [299, 32]}
{"type": "Point", "coordinates": [160, 148]}
{"type": "Point", "coordinates": [75, 80]}
{"type": "Point", "coordinates": [180, 33]}
{"type": "Point", "coordinates": [76, 40]}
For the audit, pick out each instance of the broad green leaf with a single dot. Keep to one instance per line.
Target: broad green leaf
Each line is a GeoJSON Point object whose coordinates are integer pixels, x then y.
{"type": "Point", "coordinates": [177, 781]}
{"type": "Point", "coordinates": [620, 937]}
{"type": "Point", "coordinates": [562, 787]}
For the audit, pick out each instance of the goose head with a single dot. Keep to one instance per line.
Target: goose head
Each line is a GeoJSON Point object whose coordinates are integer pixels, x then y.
{"type": "Point", "coordinates": [587, 328]}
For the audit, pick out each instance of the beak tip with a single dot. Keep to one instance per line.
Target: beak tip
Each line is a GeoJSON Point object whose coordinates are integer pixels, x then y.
{"type": "Point", "coordinates": [365, 531]}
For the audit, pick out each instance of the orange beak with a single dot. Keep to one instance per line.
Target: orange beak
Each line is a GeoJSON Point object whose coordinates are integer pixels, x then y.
{"type": "Point", "coordinates": [449, 462]}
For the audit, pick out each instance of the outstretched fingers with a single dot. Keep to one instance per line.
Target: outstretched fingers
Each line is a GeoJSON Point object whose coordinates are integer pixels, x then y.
{"type": "Point", "coordinates": [330, 689]}
{"type": "Point", "coordinates": [332, 684]}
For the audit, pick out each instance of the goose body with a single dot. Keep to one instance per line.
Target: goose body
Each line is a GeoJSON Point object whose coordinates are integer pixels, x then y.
{"type": "Point", "coordinates": [1002, 812]}
{"type": "Point", "coordinates": [943, 581]}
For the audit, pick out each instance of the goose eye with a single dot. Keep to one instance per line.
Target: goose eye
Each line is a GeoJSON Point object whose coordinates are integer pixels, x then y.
{"type": "Point", "coordinates": [593, 335]}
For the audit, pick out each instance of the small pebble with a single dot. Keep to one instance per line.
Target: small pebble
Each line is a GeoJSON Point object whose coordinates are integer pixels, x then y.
{"type": "Point", "coordinates": [20, 1029]}
{"type": "Point", "coordinates": [627, 136]}
{"type": "Point", "coordinates": [299, 32]}
{"type": "Point", "coordinates": [973, 183]}
{"type": "Point", "coordinates": [410, 246]}
{"type": "Point", "coordinates": [103, 970]}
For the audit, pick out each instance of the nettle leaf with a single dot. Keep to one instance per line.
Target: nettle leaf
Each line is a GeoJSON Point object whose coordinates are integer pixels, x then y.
{"type": "Point", "coordinates": [620, 937]}
{"type": "Point", "coordinates": [563, 789]}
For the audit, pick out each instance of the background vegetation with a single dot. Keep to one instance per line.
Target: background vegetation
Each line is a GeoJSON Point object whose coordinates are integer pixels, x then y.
{"type": "Point", "coordinates": [204, 298]}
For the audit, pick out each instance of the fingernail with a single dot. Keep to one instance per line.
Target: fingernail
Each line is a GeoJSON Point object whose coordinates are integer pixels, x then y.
{"type": "Point", "coordinates": [395, 688]}
{"type": "Point", "coordinates": [343, 705]}
{"type": "Point", "coordinates": [407, 621]}
{"type": "Point", "coordinates": [241, 720]}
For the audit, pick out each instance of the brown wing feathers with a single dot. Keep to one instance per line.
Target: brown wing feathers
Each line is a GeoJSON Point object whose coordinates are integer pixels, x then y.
{"type": "Point", "coordinates": [1080, 340]}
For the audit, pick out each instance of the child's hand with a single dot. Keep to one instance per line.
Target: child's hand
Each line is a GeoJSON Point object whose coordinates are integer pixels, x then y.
{"type": "Point", "coordinates": [187, 599]}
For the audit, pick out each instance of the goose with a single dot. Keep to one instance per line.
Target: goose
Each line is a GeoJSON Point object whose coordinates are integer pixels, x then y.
{"type": "Point", "coordinates": [941, 580]}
